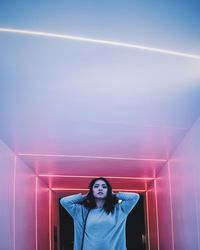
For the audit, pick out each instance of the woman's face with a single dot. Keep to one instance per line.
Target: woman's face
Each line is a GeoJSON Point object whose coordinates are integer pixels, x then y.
{"type": "Point", "coordinates": [100, 189]}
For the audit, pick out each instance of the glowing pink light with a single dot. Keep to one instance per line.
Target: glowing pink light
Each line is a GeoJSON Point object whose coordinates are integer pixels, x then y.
{"type": "Point", "coordinates": [157, 225]}
{"type": "Point", "coordinates": [87, 176]}
{"type": "Point", "coordinates": [86, 189]}
{"type": "Point", "coordinates": [148, 221]}
{"type": "Point", "coordinates": [196, 200]}
{"type": "Point", "coordinates": [146, 183]}
{"type": "Point", "coordinates": [50, 234]}
{"type": "Point", "coordinates": [147, 212]}
{"type": "Point", "coordinates": [14, 200]}
{"type": "Point", "coordinates": [92, 157]}
{"type": "Point", "coordinates": [170, 198]}
{"type": "Point", "coordinates": [36, 212]}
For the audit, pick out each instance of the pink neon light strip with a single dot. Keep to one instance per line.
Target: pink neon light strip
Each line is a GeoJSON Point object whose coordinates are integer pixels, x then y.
{"type": "Point", "coordinates": [157, 225]}
{"type": "Point", "coordinates": [170, 197]}
{"type": "Point", "coordinates": [86, 189]}
{"type": "Point", "coordinates": [148, 232]}
{"type": "Point", "coordinates": [92, 157]}
{"type": "Point", "coordinates": [36, 212]}
{"type": "Point", "coordinates": [50, 235]}
{"type": "Point", "coordinates": [87, 176]}
{"type": "Point", "coordinates": [14, 200]}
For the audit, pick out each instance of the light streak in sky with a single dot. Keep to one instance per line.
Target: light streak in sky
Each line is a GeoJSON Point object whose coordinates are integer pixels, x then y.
{"type": "Point", "coordinates": [100, 41]}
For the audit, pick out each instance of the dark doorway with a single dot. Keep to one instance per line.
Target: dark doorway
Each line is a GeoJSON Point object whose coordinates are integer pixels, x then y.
{"type": "Point", "coordinates": [135, 228]}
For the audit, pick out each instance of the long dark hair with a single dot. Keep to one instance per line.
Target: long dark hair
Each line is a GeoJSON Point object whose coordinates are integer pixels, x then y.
{"type": "Point", "coordinates": [110, 199]}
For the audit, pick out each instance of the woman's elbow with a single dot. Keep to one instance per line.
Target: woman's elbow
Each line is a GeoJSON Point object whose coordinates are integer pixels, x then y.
{"type": "Point", "coordinates": [136, 197]}
{"type": "Point", "coordinates": [63, 201]}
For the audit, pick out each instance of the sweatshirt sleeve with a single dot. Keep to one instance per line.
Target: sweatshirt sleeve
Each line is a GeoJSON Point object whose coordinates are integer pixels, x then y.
{"type": "Point", "coordinates": [129, 200]}
{"type": "Point", "coordinates": [72, 203]}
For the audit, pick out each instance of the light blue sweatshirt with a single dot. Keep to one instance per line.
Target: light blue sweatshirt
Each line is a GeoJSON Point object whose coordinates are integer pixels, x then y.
{"type": "Point", "coordinates": [103, 231]}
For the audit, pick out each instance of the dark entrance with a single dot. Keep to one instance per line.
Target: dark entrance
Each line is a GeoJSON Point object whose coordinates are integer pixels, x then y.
{"type": "Point", "coordinates": [135, 228]}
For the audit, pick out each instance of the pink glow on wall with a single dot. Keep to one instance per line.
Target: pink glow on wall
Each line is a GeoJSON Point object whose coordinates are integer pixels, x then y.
{"type": "Point", "coordinates": [76, 108]}
{"type": "Point", "coordinates": [50, 224]}
{"type": "Point", "coordinates": [36, 211]}
{"type": "Point", "coordinates": [91, 177]}
{"type": "Point", "coordinates": [147, 219]}
{"type": "Point", "coordinates": [156, 206]}
{"type": "Point", "coordinates": [170, 200]}
{"type": "Point", "coordinates": [152, 218]}
{"type": "Point", "coordinates": [25, 213]}
{"type": "Point", "coordinates": [42, 215]}
{"type": "Point", "coordinates": [177, 193]}
{"type": "Point", "coordinates": [93, 157]}
{"type": "Point", "coordinates": [81, 189]}
{"type": "Point", "coordinates": [164, 215]}
{"type": "Point", "coordinates": [14, 200]}
{"type": "Point", "coordinates": [165, 200]}
{"type": "Point", "coordinates": [187, 155]}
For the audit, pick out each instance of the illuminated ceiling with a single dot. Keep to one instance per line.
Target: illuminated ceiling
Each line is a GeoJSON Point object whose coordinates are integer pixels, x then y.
{"type": "Point", "coordinates": [84, 108]}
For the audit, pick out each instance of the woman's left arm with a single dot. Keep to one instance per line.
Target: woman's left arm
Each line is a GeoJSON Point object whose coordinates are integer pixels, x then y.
{"type": "Point", "coordinates": [129, 200]}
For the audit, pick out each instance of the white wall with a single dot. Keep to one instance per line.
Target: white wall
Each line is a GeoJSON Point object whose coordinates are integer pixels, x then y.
{"type": "Point", "coordinates": [24, 205]}
{"type": "Point", "coordinates": [6, 197]}
{"type": "Point", "coordinates": [178, 196]}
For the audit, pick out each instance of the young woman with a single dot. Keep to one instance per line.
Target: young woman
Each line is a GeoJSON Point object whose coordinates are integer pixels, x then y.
{"type": "Point", "coordinates": [99, 217]}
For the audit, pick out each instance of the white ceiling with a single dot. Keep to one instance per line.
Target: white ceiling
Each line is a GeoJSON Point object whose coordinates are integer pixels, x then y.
{"type": "Point", "coordinates": [84, 109]}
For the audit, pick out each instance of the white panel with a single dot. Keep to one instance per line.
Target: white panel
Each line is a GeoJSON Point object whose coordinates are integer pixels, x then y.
{"type": "Point", "coordinates": [25, 207]}
{"type": "Point", "coordinates": [6, 197]}
{"type": "Point", "coordinates": [165, 225]}
{"type": "Point", "coordinates": [178, 199]}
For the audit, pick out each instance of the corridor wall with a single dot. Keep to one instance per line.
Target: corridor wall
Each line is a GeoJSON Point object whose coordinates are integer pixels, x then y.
{"type": "Point", "coordinates": [42, 215]}
{"type": "Point", "coordinates": [6, 197]}
{"type": "Point", "coordinates": [24, 222]}
{"type": "Point", "coordinates": [151, 211]}
{"type": "Point", "coordinates": [178, 196]}
{"type": "Point", "coordinates": [29, 209]}
{"type": "Point", "coordinates": [24, 198]}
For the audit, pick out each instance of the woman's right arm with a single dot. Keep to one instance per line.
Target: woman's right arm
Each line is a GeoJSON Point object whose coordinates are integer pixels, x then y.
{"type": "Point", "coordinates": [72, 203]}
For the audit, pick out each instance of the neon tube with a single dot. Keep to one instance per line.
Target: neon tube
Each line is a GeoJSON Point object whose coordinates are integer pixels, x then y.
{"type": "Point", "coordinates": [36, 212]}
{"type": "Point", "coordinates": [92, 157]}
{"type": "Point", "coordinates": [170, 198]}
{"type": "Point", "coordinates": [87, 176]}
{"type": "Point", "coordinates": [14, 200]}
{"type": "Point", "coordinates": [86, 189]}
{"type": "Point", "coordinates": [100, 41]}
{"type": "Point", "coordinates": [50, 234]}
{"type": "Point", "coordinates": [157, 224]}
{"type": "Point", "coordinates": [148, 230]}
